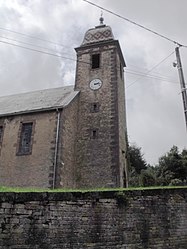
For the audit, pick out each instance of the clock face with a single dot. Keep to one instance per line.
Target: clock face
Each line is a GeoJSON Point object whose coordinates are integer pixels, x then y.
{"type": "Point", "coordinates": [95, 84]}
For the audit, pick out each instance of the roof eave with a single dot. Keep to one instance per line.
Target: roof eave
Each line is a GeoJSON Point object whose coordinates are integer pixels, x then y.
{"type": "Point", "coordinates": [52, 108]}
{"type": "Point", "coordinates": [31, 111]}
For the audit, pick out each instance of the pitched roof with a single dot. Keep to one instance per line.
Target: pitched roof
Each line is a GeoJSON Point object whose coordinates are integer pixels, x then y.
{"type": "Point", "coordinates": [41, 100]}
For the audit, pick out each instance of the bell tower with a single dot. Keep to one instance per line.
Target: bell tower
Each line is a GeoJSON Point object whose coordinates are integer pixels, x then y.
{"type": "Point", "coordinates": [101, 142]}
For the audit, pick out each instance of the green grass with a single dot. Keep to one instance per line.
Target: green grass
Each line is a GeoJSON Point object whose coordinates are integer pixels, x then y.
{"type": "Point", "coordinates": [27, 190]}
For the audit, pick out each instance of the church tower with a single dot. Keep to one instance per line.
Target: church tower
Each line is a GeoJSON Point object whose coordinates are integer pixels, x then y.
{"type": "Point", "coordinates": [101, 142]}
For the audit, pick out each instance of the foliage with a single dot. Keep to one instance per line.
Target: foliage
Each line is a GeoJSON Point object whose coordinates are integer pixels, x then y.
{"type": "Point", "coordinates": [172, 168]}
{"type": "Point", "coordinates": [137, 162]}
{"type": "Point", "coordinates": [170, 171]}
{"type": "Point", "coordinates": [147, 177]}
{"type": "Point", "coordinates": [140, 174]}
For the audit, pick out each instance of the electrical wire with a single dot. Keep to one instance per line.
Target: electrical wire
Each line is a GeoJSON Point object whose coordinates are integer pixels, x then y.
{"type": "Point", "coordinates": [158, 64]}
{"type": "Point", "coordinates": [33, 37]}
{"type": "Point", "coordinates": [158, 76]}
{"type": "Point", "coordinates": [126, 70]}
{"type": "Point", "coordinates": [129, 71]}
{"type": "Point", "coordinates": [150, 76]}
{"type": "Point", "coordinates": [43, 52]}
{"type": "Point", "coordinates": [135, 23]}
{"type": "Point", "coordinates": [31, 44]}
{"type": "Point", "coordinates": [27, 43]}
{"type": "Point", "coordinates": [145, 68]}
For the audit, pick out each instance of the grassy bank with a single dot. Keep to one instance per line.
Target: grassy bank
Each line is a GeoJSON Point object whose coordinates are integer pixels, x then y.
{"type": "Point", "coordinates": [21, 190]}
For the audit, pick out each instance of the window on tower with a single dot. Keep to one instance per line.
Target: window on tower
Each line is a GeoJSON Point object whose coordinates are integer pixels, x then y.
{"type": "Point", "coordinates": [95, 61]}
{"type": "Point", "coordinates": [94, 107]}
{"type": "Point", "coordinates": [94, 133]}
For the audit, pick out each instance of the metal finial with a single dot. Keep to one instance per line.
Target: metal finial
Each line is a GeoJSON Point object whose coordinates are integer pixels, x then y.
{"type": "Point", "coordinates": [101, 19]}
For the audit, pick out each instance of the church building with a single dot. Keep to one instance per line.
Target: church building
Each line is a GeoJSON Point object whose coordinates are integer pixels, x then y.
{"type": "Point", "coordinates": [72, 136]}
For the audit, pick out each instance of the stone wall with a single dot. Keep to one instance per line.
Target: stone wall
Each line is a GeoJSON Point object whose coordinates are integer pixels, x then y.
{"type": "Point", "coordinates": [37, 168]}
{"type": "Point", "coordinates": [98, 220]}
{"type": "Point", "coordinates": [32, 169]}
{"type": "Point", "coordinates": [66, 156]}
{"type": "Point", "coordinates": [98, 160]}
{"type": "Point", "coordinates": [122, 124]}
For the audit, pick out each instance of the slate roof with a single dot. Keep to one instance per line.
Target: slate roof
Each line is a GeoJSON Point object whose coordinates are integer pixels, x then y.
{"type": "Point", "coordinates": [42, 100]}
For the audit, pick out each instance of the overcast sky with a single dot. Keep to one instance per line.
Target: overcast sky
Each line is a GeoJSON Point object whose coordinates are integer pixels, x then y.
{"type": "Point", "coordinates": [155, 116]}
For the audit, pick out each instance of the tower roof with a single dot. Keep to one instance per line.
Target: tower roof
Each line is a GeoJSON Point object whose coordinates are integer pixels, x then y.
{"type": "Point", "coordinates": [101, 34]}
{"type": "Point", "coordinates": [98, 34]}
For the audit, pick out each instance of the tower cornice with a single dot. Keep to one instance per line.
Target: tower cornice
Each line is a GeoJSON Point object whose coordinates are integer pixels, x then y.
{"type": "Point", "coordinates": [101, 44]}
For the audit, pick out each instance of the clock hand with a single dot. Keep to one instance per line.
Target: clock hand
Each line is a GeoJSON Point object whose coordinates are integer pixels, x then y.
{"type": "Point", "coordinates": [97, 83]}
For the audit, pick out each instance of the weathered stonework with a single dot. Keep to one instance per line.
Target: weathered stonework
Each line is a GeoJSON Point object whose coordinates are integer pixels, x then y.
{"type": "Point", "coordinates": [74, 137]}
{"type": "Point", "coordinates": [32, 169]}
{"type": "Point", "coordinates": [99, 162]}
{"type": "Point", "coordinates": [37, 168]}
{"type": "Point", "coordinates": [149, 219]}
{"type": "Point", "coordinates": [66, 158]}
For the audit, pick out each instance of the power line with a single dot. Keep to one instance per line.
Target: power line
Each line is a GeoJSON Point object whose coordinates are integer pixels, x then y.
{"type": "Point", "coordinates": [142, 74]}
{"type": "Point", "coordinates": [27, 43]}
{"type": "Point", "coordinates": [155, 74]}
{"type": "Point", "coordinates": [31, 44]}
{"type": "Point", "coordinates": [33, 37]}
{"type": "Point", "coordinates": [152, 77]}
{"type": "Point", "coordinates": [130, 71]}
{"type": "Point", "coordinates": [43, 52]}
{"type": "Point", "coordinates": [151, 69]}
{"type": "Point", "coordinates": [135, 23]}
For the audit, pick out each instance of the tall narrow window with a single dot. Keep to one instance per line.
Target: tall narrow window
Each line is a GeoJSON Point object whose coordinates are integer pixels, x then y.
{"type": "Point", "coordinates": [95, 61]}
{"type": "Point", "coordinates": [1, 133]}
{"type": "Point", "coordinates": [94, 107]}
{"type": "Point", "coordinates": [25, 139]}
{"type": "Point", "coordinates": [94, 133]}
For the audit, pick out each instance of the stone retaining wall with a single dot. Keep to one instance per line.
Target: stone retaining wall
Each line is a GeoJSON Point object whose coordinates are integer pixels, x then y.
{"type": "Point", "coordinates": [97, 220]}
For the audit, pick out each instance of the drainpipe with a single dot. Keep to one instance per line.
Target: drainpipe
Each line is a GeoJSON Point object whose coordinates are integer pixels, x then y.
{"type": "Point", "coordinates": [56, 148]}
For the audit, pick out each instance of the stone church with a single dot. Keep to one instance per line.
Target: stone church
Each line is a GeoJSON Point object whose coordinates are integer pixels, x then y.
{"type": "Point", "coordinates": [72, 136]}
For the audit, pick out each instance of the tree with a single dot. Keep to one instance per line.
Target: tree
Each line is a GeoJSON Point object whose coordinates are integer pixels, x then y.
{"type": "Point", "coordinates": [136, 164]}
{"type": "Point", "coordinates": [172, 168]}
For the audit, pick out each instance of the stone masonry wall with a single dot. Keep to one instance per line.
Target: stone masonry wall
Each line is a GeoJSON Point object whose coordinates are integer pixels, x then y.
{"type": "Point", "coordinates": [122, 123]}
{"type": "Point", "coordinates": [66, 159]}
{"type": "Point", "coordinates": [33, 169]}
{"type": "Point", "coordinates": [97, 160]}
{"type": "Point", "coordinates": [97, 220]}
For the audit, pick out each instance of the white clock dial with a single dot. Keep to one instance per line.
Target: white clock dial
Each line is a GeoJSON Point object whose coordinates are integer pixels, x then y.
{"type": "Point", "coordinates": [95, 84]}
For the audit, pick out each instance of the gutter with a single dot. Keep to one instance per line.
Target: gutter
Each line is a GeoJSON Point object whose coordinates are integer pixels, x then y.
{"type": "Point", "coordinates": [56, 148]}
